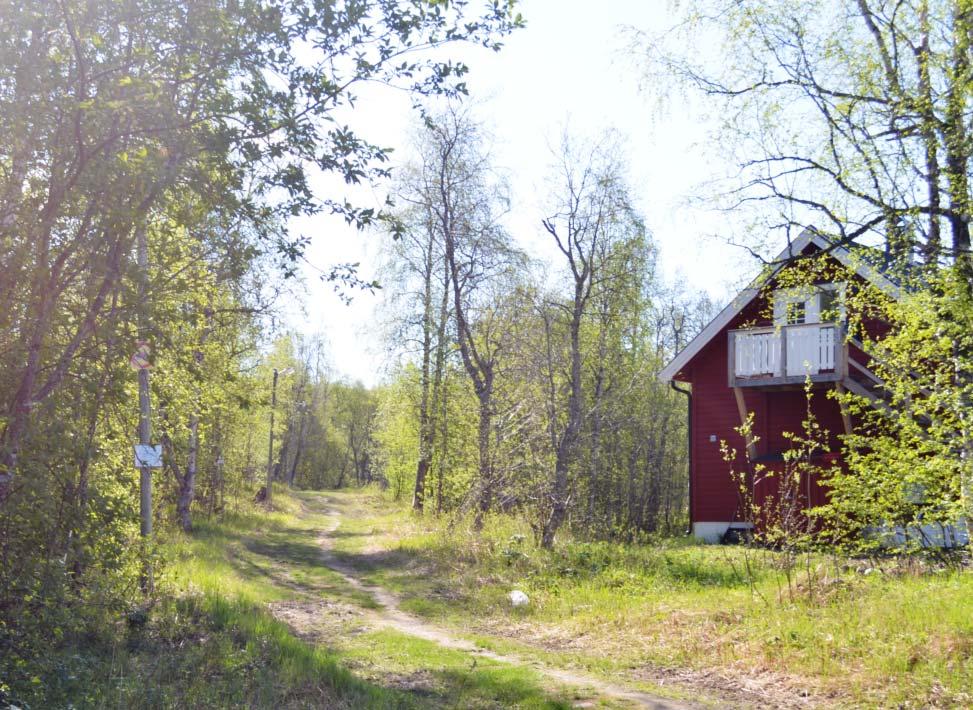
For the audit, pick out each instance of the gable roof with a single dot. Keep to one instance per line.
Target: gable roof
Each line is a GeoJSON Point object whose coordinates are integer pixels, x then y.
{"type": "Point", "coordinates": [854, 262]}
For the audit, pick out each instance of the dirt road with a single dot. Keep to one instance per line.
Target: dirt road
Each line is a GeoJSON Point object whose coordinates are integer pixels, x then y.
{"type": "Point", "coordinates": [390, 615]}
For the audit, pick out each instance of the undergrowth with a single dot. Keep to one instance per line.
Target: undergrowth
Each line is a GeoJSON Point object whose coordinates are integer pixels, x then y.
{"type": "Point", "coordinates": [193, 651]}
{"type": "Point", "coordinates": [208, 637]}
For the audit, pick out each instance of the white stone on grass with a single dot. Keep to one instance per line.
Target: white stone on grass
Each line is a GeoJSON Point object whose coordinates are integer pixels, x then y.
{"type": "Point", "coordinates": [518, 598]}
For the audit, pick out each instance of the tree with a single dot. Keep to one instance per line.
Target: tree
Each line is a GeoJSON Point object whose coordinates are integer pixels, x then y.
{"type": "Point", "coordinates": [593, 216]}
{"type": "Point", "coordinates": [193, 128]}
{"type": "Point", "coordinates": [458, 191]}
{"type": "Point", "coordinates": [114, 113]}
{"type": "Point", "coordinates": [909, 457]}
{"type": "Point", "coordinates": [420, 307]}
{"type": "Point", "coordinates": [629, 470]}
{"type": "Point", "coordinates": [356, 408]}
{"type": "Point", "coordinates": [849, 116]}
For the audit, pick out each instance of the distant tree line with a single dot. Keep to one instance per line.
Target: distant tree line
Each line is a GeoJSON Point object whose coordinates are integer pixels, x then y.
{"type": "Point", "coordinates": [528, 386]}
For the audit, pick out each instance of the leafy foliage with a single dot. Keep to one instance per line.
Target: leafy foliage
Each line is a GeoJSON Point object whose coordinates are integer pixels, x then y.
{"type": "Point", "coordinates": [519, 390]}
{"type": "Point", "coordinates": [197, 128]}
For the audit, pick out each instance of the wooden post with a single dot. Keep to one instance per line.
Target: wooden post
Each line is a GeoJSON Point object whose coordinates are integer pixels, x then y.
{"type": "Point", "coordinates": [742, 407]}
{"type": "Point", "coordinates": [145, 407]}
{"type": "Point", "coordinates": [843, 334]}
{"type": "Point", "coordinates": [731, 364]}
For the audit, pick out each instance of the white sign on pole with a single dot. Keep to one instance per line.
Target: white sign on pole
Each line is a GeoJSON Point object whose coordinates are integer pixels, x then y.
{"type": "Point", "coordinates": [148, 455]}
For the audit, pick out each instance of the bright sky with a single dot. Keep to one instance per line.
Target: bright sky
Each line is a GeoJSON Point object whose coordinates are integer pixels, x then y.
{"type": "Point", "coordinates": [568, 66]}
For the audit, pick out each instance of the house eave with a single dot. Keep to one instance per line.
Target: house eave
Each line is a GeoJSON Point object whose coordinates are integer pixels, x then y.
{"type": "Point", "coordinates": [793, 249]}
{"type": "Point", "coordinates": [714, 327]}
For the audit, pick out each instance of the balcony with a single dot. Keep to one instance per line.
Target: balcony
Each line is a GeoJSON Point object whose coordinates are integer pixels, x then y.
{"type": "Point", "coordinates": [787, 355]}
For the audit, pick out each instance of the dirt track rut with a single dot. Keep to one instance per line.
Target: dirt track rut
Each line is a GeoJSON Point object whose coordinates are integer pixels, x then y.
{"type": "Point", "coordinates": [390, 615]}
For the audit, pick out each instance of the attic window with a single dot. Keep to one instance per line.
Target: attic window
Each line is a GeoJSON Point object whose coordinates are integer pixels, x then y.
{"type": "Point", "coordinates": [823, 303]}
{"type": "Point", "coordinates": [831, 309]}
{"type": "Point", "coordinates": [796, 312]}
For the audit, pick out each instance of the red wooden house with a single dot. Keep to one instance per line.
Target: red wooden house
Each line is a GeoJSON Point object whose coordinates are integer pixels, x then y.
{"type": "Point", "coordinates": [755, 358]}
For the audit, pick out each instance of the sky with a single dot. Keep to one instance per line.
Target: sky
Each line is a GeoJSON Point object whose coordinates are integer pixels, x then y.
{"type": "Point", "coordinates": [569, 67]}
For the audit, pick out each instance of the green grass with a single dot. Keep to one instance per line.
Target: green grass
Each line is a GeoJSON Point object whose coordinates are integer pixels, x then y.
{"type": "Point", "coordinates": [622, 612]}
{"type": "Point", "coordinates": [211, 640]}
{"type": "Point", "coordinates": [618, 610]}
{"type": "Point", "coordinates": [259, 557]}
{"type": "Point", "coordinates": [212, 652]}
{"type": "Point", "coordinates": [445, 674]}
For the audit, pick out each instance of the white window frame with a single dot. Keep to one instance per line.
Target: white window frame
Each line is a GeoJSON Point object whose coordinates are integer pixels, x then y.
{"type": "Point", "coordinates": [811, 297]}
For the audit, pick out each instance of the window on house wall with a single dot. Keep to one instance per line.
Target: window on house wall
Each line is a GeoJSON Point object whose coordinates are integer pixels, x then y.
{"type": "Point", "coordinates": [796, 312]}
{"type": "Point", "coordinates": [810, 304]}
{"type": "Point", "coordinates": [832, 307]}
{"type": "Point", "coordinates": [795, 306]}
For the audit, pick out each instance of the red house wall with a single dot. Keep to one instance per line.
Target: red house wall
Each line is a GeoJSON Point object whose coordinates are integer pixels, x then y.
{"type": "Point", "coordinates": [787, 410]}
{"type": "Point", "coordinates": [715, 413]}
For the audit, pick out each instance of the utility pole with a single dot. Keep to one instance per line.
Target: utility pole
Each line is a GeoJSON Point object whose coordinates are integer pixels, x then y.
{"type": "Point", "coordinates": [145, 407]}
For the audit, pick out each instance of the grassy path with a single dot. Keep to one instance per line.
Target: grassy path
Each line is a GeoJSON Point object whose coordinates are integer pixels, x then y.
{"type": "Point", "coordinates": [283, 630]}
{"type": "Point", "coordinates": [426, 576]}
{"type": "Point", "coordinates": [669, 618]}
{"type": "Point", "coordinates": [317, 636]}
{"type": "Point", "coordinates": [345, 600]}
{"type": "Point", "coordinates": [390, 615]}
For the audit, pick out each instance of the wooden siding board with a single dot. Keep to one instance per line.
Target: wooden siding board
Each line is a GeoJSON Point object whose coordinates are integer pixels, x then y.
{"type": "Point", "coordinates": [715, 412]}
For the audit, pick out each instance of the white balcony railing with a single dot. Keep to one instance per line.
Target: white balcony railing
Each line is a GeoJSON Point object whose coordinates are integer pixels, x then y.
{"type": "Point", "coordinates": [786, 353]}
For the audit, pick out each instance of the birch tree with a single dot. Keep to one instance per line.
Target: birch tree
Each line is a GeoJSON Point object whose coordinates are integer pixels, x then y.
{"type": "Point", "coordinates": [593, 216]}
{"type": "Point", "coordinates": [458, 189]}
{"type": "Point", "coordinates": [110, 111]}
{"type": "Point", "coordinates": [850, 116]}
{"type": "Point", "coordinates": [420, 308]}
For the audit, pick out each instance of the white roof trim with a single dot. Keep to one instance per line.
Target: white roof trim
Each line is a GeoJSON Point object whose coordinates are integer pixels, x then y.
{"type": "Point", "coordinates": [733, 309]}
{"type": "Point", "coordinates": [708, 333]}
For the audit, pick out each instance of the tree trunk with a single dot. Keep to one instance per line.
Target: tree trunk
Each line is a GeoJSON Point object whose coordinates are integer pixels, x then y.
{"type": "Point", "coordinates": [444, 453]}
{"type": "Point", "coordinates": [301, 436]}
{"type": "Point", "coordinates": [438, 394]}
{"type": "Point", "coordinates": [594, 472]}
{"type": "Point", "coordinates": [425, 428]}
{"type": "Point", "coordinates": [187, 488]}
{"type": "Point", "coordinates": [930, 141]}
{"type": "Point", "coordinates": [249, 467]}
{"type": "Point", "coordinates": [78, 565]}
{"type": "Point", "coordinates": [957, 142]}
{"type": "Point", "coordinates": [187, 485]}
{"type": "Point", "coordinates": [485, 493]}
{"type": "Point", "coordinates": [23, 401]}
{"type": "Point", "coordinates": [634, 507]}
{"type": "Point", "coordinates": [569, 438]}
{"type": "Point", "coordinates": [431, 392]}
